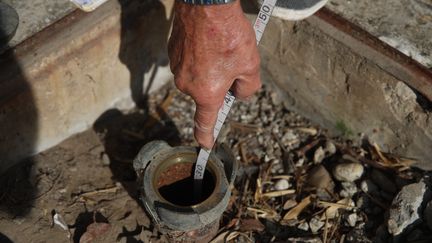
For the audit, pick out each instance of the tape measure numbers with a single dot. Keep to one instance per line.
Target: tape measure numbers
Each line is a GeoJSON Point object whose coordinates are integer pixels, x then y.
{"type": "Point", "coordinates": [259, 27]}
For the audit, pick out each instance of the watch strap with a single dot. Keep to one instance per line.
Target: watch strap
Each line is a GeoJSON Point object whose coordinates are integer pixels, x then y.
{"type": "Point", "coordinates": [207, 2]}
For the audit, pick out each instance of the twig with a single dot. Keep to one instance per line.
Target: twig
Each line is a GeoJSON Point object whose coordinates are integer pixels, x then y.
{"type": "Point", "coordinates": [303, 150]}
{"type": "Point", "coordinates": [325, 228]}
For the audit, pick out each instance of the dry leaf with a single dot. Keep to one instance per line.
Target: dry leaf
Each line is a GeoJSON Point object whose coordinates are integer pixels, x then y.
{"type": "Point", "coordinates": [278, 193]}
{"type": "Point", "coordinates": [289, 204]}
{"type": "Point", "coordinates": [261, 213]}
{"type": "Point", "coordinates": [257, 195]}
{"type": "Point", "coordinates": [93, 231]}
{"type": "Point", "coordinates": [295, 211]}
{"type": "Point", "coordinates": [332, 210]}
{"type": "Point", "coordinates": [247, 225]}
{"type": "Point", "coordinates": [382, 157]}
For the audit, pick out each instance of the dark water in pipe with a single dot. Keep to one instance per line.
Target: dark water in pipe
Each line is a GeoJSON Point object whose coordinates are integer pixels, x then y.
{"type": "Point", "coordinates": [181, 192]}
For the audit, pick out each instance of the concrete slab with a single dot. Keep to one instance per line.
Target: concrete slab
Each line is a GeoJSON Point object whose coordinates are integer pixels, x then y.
{"type": "Point", "coordinates": [35, 15]}
{"type": "Point", "coordinates": [403, 24]}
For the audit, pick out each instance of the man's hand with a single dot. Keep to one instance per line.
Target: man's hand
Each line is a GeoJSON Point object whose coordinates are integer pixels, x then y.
{"type": "Point", "coordinates": [213, 49]}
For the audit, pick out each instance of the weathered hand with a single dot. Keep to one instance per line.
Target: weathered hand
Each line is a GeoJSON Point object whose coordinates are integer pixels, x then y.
{"type": "Point", "coordinates": [213, 49]}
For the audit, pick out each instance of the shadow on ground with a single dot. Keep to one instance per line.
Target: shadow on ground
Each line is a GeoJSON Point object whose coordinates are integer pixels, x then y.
{"type": "Point", "coordinates": [18, 182]}
{"type": "Point", "coordinates": [145, 29]}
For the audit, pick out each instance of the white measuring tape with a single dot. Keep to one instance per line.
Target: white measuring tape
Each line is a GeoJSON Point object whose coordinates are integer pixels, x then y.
{"type": "Point", "coordinates": [259, 26]}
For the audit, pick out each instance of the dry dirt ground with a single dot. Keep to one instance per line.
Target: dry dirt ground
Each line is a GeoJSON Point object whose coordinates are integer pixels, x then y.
{"type": "Point", "coordinates": [88, 180]}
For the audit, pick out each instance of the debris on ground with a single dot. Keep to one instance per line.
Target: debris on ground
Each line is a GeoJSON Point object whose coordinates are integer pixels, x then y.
{"type": "Point", "coordinates": [296, 183]}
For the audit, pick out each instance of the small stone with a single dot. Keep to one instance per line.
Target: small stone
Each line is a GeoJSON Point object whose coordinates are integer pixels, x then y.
{"type": "Point", "coordinates": [330, 148]}
{"type": "Point", "coordinates": [352, 219]}
{"type": "Point", "coordinates": [290, 203]}
{"type": "Point", "coordinates": [319, 155]}
{"type": "Point", "coordinates": [406, 207]}
{"type": "Point", "coordinates": [363, 202]}
{"type": "Point", "coordinates": [323, 194]}
{"type": "Point", "coordinates": [300, 162]}
{"type": "Point", "coordinates": [348, 172]}
{"type": "Point", "coordinates": [315, 224]}
{"type": "Point", "coordinates": [282, 184]}
{"type": "Point", "coordinates": [383, 181]}
{"type": "Point", "coordinates": [105, 159]}
{"type": "Point", "coordinates": [303, 226]}
{"type": "Point", "coordinates": [319, 177]}
{"type": "Point", "coordinates": [349, 189]}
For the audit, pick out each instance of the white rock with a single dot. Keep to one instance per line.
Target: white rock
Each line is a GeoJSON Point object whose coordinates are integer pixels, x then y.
{"type": "Point", "coordinates": [330, 148]}
{"type": "Point", "coordinates": [105, 159]}
{"type": "Point", "coordinates": [303, 226]}
{"type": "Point", "coordinates": [282, 184]}
{"type": "Point", "coordinates": [315, 224]}
{"type": "Point", "coordinates": [349, 189]}
{"type": "Point", "coordinates": [348, 172]}
{"type": "Point", "coordinates": [319, 155]}
{"type": "Point", "coordinates": [406, 207]}
{"type": "Point", "coordinates": [352, 219]}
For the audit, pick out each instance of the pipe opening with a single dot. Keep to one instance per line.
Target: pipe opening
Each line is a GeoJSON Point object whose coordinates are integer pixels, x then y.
{"type": "Point", "coordinates": [176, 185]}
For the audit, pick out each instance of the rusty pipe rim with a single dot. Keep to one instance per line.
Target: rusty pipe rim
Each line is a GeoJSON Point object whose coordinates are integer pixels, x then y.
{"type": "Point", "coordinates": [188, 157]}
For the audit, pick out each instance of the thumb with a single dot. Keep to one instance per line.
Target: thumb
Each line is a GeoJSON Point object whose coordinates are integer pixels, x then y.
{"type": "Point", "coordinates": [205, 120]}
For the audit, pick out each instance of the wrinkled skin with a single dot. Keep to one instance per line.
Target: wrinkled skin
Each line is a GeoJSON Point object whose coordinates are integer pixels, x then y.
{"type": "Point", "coordinates": [213, 49]}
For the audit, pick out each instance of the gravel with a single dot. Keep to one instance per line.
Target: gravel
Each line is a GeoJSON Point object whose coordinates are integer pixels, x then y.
{"type": "Point", "coordinates": [348, 172]}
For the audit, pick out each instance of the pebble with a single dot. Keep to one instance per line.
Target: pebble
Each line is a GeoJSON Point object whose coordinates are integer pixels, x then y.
{"type": "Point", "coordinates": [303, 226]}
{"type": "Point", "coordinates": [383, 181]}
{"type": "Point", "coordinates": [330, 148]}
{"type": "Point", "coordinates": [363, 202]}
{"type": "Point", "coordinates": [406, 208]}
{"type": "Point", "coordinates": [319, 155]}
{"type": "Point", "coordinates": [352, 219]}
{"type": "Point", "coordinates": [315, 224]}
{"type": "Point", "coordinates": [349, 189]}
{"type": "Point", "coordinates": [282, 184]}
{"type": "Point", "coordinates": [319, 177]}
{"type": "Point", "coordinates": [105, 159]}
{"type": "Point", "coordinates": [348, 172]}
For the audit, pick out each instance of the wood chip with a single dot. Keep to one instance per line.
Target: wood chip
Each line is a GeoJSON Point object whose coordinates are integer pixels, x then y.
{"type": "Point", "coordinates": [294, 212]}
{"type": "Point", "coordinates": [264, 213]}
{"type": "Point", "coordinates": [333, 208]}
{"type": "Point", "coordinates": [278, 193]}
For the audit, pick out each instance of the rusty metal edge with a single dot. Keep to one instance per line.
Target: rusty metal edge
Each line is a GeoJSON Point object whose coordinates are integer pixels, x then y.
{"type": "Point", "coordinates": [420, 76]}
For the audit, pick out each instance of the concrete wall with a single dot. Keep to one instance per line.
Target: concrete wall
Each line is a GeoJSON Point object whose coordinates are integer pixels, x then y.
{"type": "Point", "coordinates": [58, 82]}
{"type": "Point", "coordinates": [348, 87]}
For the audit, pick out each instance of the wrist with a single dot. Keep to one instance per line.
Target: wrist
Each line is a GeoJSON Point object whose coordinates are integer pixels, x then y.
{"type": "Point", "coordinates": [208, 13]}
